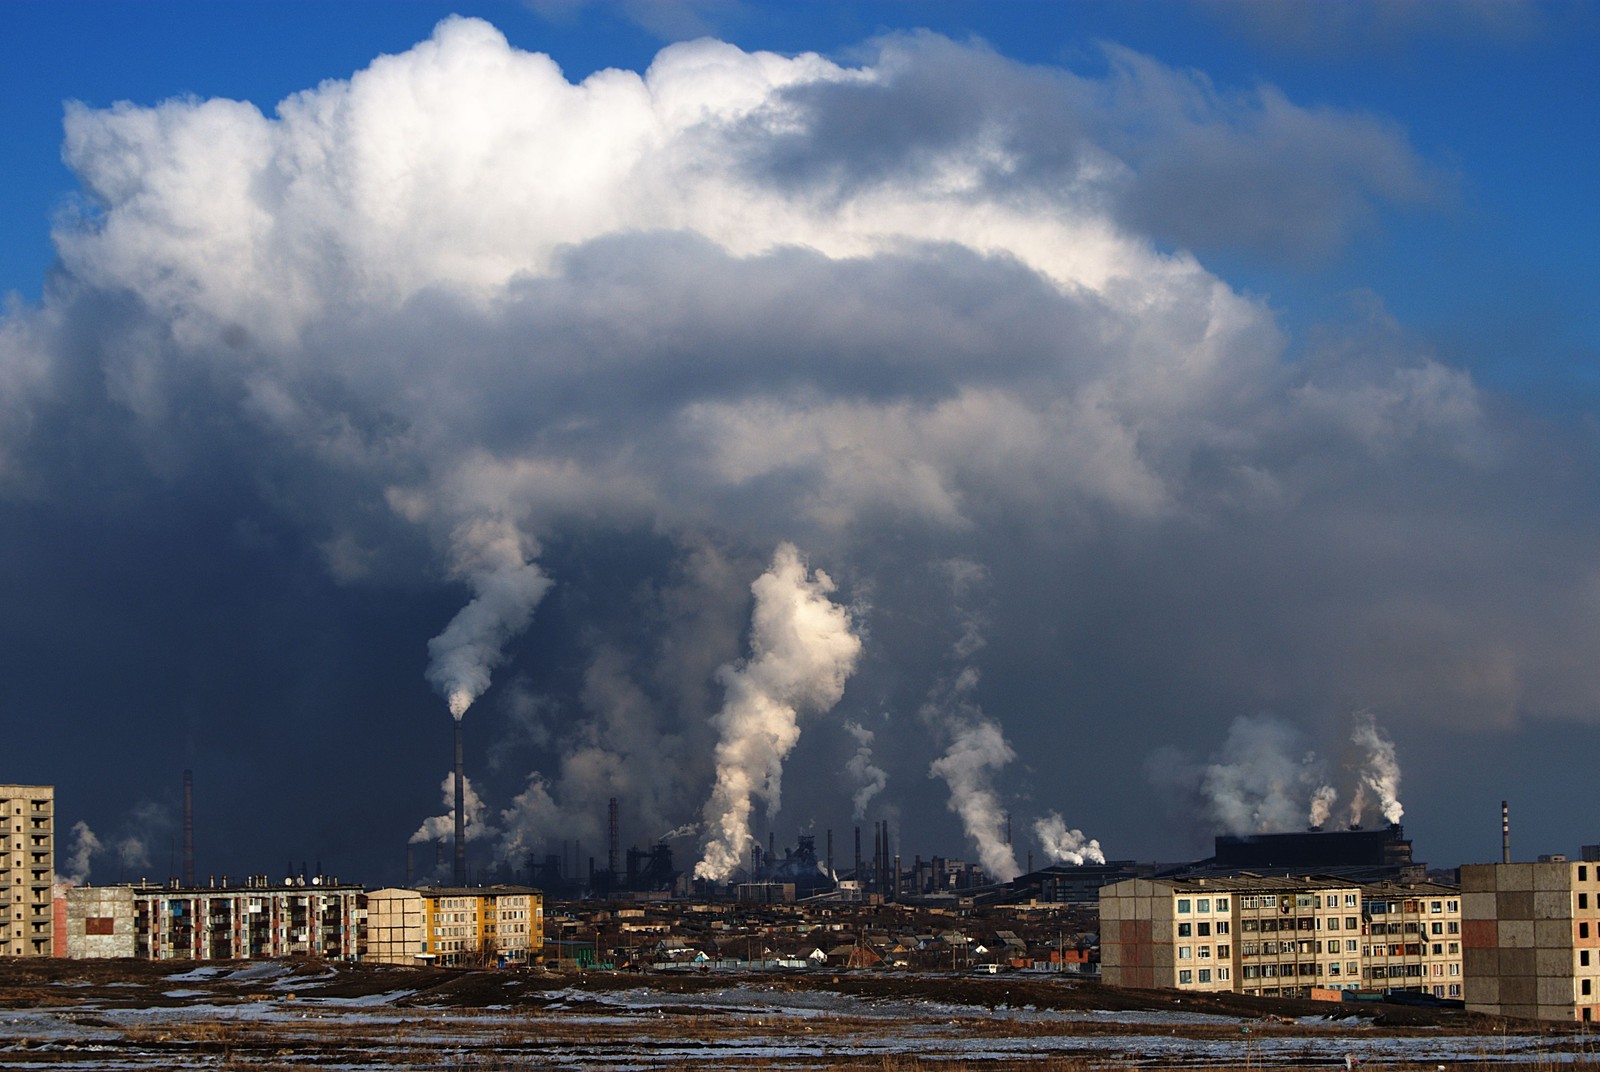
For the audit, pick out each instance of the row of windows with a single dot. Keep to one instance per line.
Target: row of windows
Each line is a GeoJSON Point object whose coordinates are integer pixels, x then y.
{"type": "Point", "coordinates": [1203, 952]}
{"type": "Point", "coordinates": [1390, 908]}
{"type": "Point", "coordinates": [1187, 976]}
{"type": "Point", "coordinates": [1201, 904]}
{"type": "Point", "coordinates": [1201, 929]}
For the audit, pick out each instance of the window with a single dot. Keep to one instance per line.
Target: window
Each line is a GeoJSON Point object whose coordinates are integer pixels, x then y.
{"type": "Point", "coordinates": [1583, 900]}
{"type": "Point", "coordinates": [1222, 926]}
{"type": "Point", "coordinates": [1184, 930]}
{"type": "Point", "coordinates": [1203, 930]}
{"type": "Point", "coordinates": [1583, 873]}
{"type": "Point", "coordinates": [1436, 906]}
{"type": "Point", "coordinates": [1205, 975]}
{"type": "Point", "coordinates": [1222, 906]}
{"type": "Point", "coordinates": [1333, 923]}
{"type": "Point", "coordinates": [1222, 954]}
{"type": "Point", "coordinates": [1222, 975]}
{"type": "Point", "coordinates": [1437, 928]}
{"type": "Point", "coordinates": [1453, 927]}
{"type": "Point", "coordinates": [1185, 952]}
{"type": "Point", "coordinates": [1587, 985]}
{"type": "Point", "coordinates": [1183, 906]}
{"type": "Point", "coordinates": [1583, 930]}
{"type": "Point", "coordinates": [1438, 949]}
{"type": "Point", "coordinates": [1583, 958]}
{"type": "Point", "coordinates": [1185, 976]}
{"type": "Point", "coordinates": [1333, 969]}
{"type": "Point", "coordinates": [1203, 905]}
{"type": "Point", "coordinates": [1349, 923]}
{"type": "Point", "coordinates": [1205, 952]}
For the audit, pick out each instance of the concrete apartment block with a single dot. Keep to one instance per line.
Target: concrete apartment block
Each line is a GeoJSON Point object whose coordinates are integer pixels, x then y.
{"type": "Point", "coordinates": [1531, 933]}
{"type": "Point", "coordinates": [455, 925]}
{"type": "Point", "coordinates": [27, 870]}
{"type": "Point", "coordinates": [100, 922]}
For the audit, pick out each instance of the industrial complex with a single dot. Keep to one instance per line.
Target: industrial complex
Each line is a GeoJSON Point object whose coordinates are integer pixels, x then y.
{"type": "Point", "coordinates": [1333, 914]}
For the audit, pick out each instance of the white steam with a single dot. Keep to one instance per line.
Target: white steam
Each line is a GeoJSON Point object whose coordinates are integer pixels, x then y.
{"type": "Point", "coordinates": [79, 859]}
{"type": "Point", "coordinates": [802, 651]}
{"type": "Point", "coordinates": [1377, 770]}
{"type": "Point", "coordinates": [1065, 846]}
{"type": "Point", "coordinates": [977, 750]}
{"type": "Point", "coordinates": [493, 557]}
{"type": "Point", "coordinates": [443, 827]}
{"type": "Point", "coordinates": [870, 779]}
{"type": "Point", "coordinates": [1266, 779]}
{"type": "Point", "coordinates": [1323, 798]}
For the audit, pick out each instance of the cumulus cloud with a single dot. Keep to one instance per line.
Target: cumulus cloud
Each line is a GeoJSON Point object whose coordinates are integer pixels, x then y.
{"type": "Point", "coordinates": [458, 320]}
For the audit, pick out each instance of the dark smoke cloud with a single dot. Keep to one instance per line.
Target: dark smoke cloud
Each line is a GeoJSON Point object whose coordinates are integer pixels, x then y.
{"type": "Point", "coordinates": [646, 329]}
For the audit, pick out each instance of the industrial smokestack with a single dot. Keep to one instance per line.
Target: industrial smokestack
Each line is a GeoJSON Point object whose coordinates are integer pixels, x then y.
{"type": "Point", "coordinates": [1505, 832]}
{"type": "Point", "coordinates": [830, 852]}
{"type": "Point", "coordinates": [188, 829]}
{"type": "Point", "coordinates": [461, 812]}
{"type": "Point", "coordinates": [611, 860]}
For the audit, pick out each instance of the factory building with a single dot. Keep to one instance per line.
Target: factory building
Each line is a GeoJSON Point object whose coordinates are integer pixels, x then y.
{"type": "Point", "coordinates": [27, 870]}
{"type": "Point", "coordinates": [1531, 939]}
{"type": "Point", "coordinates": [455, 925]}
{"type": "Point", "coordinates": [319, 918]}
{"type": "Point", "coordinates": [1279, 936]}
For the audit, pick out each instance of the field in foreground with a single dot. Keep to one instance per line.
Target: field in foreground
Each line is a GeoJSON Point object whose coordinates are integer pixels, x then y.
{"type": "Point", "coordinates": [59, 1015]}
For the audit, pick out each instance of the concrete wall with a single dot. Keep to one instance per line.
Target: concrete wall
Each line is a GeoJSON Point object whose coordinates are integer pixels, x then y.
{"type": "Point", "coordinates": [100, 922]}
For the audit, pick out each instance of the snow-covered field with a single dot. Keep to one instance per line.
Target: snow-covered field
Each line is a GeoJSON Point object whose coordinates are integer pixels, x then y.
{"type": "Point", "coordinates": [284, 1022]}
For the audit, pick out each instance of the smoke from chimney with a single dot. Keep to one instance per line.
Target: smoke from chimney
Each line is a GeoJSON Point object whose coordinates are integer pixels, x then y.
{"type": "Point", "coordinates": [495, 560]}
{"type": "Point", "coordinates": [1065, 846]}
{"type": "Point", "coordinates": [801, 653]}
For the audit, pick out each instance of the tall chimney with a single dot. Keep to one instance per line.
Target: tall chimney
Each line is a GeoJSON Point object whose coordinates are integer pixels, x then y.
{"type": "Point", "coordinates": [1505, 832]}
{"type": "Point", "coordinates": [611, 861]}
{"type": "Point", "coordinates": [461, 812]}
{"type": "Point", "coordinates": [188, 829]}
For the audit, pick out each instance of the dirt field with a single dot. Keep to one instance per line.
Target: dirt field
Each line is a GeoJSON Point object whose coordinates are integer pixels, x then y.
{"type": "Point", "coordinates": [279, 1015]}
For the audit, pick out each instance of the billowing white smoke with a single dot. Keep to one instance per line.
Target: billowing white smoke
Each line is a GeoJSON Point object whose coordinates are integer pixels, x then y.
{"type": "Point", "coordinates": [802, 651]}
{"type": "Point", "coordinates": [978, 749]}
{"type": "Point", "coordinates": [1264, 779]}
{"type": "Point", "coordinates": [493, 557]}
{"type": "Point", "coordinates": [1377, 771]}
{"type": "Point", "coordinates": [79, 859]}
{"type": "Point", "coordinates": [1065, 846]}
{"type": "Point", "coordinates": [686, 830]}
{"type": "Point", "coordinates": [443, 827]}
{"type": "Point", "coordinates": [1323, 798]}
{"type": "Point", "coordinates": [870, 779]}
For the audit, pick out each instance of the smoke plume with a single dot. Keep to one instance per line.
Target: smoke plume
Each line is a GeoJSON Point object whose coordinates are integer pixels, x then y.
{"type": "Point", "coordinates": [443, 827]}
{"type": "Point", "coordinates": [977, 750]}
{"type": "Point", "coordinates": [1323, 798]}
{"type": "Point", "coordinates": [1377, 771]}
{"type": "Point", "coordinates": [870, 779]}
{"type": "Point", "coordinates": [493, 557]}
{"type": "Point", "coordinates": [1065, 846]}
{"type": "Point", "coordinates": [802, 651]}
{"type": "Point", "coordinates": [79, 860]}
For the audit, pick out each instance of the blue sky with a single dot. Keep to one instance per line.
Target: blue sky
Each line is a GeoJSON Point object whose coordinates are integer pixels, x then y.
{"type": "Point", "coordinates": [1160, 385]}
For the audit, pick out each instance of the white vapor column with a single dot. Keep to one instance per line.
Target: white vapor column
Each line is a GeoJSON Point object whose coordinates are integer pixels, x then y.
{"type": "Point", "coordinates": [870, 779]}
{"type": "Point", "coordinates": [494, 559]}
{"type": "Point", "coordinates": [1377, 772]}
{"type": "Point", "coordinates": [1065, 846]}
{"type": "Point", "coordinates": [802, 651]}
{"type": "Point", "coordinates": [978, 749]}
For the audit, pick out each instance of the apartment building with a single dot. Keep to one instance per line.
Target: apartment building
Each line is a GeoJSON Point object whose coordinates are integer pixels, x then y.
{"type": "Point", "coordinates": [315, 918]}
{"type": "Point", "coordinates": [1531, 939]}
{"type": "Point", "coordinates": [456, 925]}
{"type": "Point", "coordinates": [1411, 938]}
{"type": "Point", "coordinates": [1280, 937]}
{"type": "Point", "coordinates": [27, 870]}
